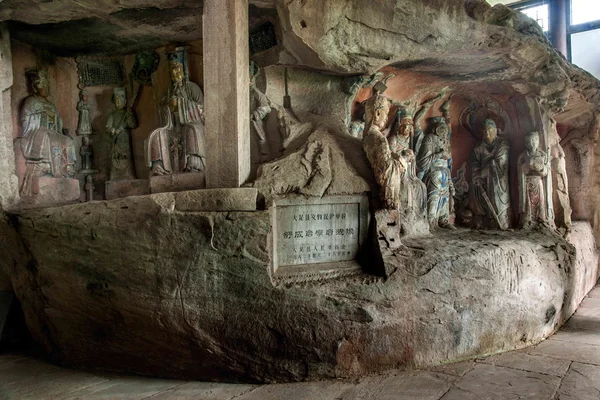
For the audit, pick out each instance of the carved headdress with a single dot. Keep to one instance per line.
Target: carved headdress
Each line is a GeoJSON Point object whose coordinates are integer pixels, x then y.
{"type": "Point", "coordinates": [178, 55]}
{"type": "Point", "coordinates": [489, 123]}
{"type": "Point", "coordinates": [404, 115]}
{"type": "Point", "coordinates": [375, 103]}
{"type": "Point", "coordinates": [38, 77]}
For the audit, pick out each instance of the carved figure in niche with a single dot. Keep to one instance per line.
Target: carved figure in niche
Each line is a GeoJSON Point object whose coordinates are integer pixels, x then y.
{"type": "Point", "coordinates": [86, 154]}
{"type": "Point", "coordinates": [118, 125]}
{"type": "Point", "coordinates": [490, 191]}
{"type": "Point", "coordinates": [47, 151]}
{"type": "Point", "coordinates": [179, 145]}
{"type": "Point", "coordinates": [84, 126]}
{"type": "Point", "coordinates": [387, 166]}
{"type": "Point", "coordinates": [535, 185]}
{"type": "Point", "coordinates": [560, 184]}
{"type": "Point", "coordinates": [434, 166]}
{"type": "Point", "coordinates": [413, 192]}
{"type": "Point", "coordinates": [89, 187]}
{"type": "Point", "coordinates": [261, 108]}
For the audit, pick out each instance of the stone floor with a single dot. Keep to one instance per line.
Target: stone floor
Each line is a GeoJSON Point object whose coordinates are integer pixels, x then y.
{"type": "Point", "coordinates": [565, 367]}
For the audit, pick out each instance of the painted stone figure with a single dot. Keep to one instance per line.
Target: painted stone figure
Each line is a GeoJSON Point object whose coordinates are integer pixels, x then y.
{"type": "Point", "coordinates": [47, 151]}
{"type": "Point", "coordinates": [86, 154]}
{"type": "Point", "coordinates": [118, 125]}
{"type": "Point", "coordinates": [535, 185]}
{"type": "Point", "coordinates": [84, 126]}
{"type": "Point", "coordinates": [413, 199]}
{"type": "Point", "coordinates": [179, 146]}
{"type": "Point", "coordinates": [434, 166]}
{"type": "Point", "coordinates": [490, 191]}
{"type": "Point", "coordinates": [89, 187]}
{"type": "Point", "coordinates": [387, 166]}
{"type": "Point", "coordinates": [560, 182]}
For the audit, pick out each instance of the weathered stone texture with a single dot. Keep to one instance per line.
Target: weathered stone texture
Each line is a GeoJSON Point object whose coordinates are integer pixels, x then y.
{"type": "Point", "coordinates": [9, 184]}
{"type": "Point", "coordinates": [329, 163]}
{"type": "Point", "coordinates": [130, 283]}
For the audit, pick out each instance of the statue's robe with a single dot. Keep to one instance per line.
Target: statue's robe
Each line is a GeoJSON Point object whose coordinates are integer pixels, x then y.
{"type": "Point", "coordinates": [387, 167]}
{"type": "Point", "coordinates": [535, 188]}
{"type": "Point", "coordinates": [46, 150]}
{"type": "Point", "coordinates": [180, 144]}
{"type": "Point", "coordinates": [490, 163]}
{"type": "Point", "coordinates": [435, 173]}
{"type": "Point", "coordinates": [122, 164]}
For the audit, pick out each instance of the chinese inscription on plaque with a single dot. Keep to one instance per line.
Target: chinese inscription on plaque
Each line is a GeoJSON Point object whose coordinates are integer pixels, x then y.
{"type": "Point", "coordinates": [313, 233]}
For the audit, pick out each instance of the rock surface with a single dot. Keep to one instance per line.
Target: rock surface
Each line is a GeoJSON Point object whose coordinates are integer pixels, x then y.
{"type": "Point", "coordinates": [137, 285]}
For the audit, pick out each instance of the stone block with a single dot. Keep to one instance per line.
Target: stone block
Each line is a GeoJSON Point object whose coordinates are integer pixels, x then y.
{"type": "Point", "coordinates": [126, 188]}
{"type": "Point", "coordinates": [317, 238]}
{"type": "Point", "coordinates": [236, 199]}
{"type": "Point", "coordinates": [54, 191]}
{"type": "Point", "coordinates": [177, 182]}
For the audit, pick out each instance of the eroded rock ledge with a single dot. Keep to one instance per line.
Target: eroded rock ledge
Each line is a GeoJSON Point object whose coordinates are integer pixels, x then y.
{"type": "Point", "coordinates": [138, 285]}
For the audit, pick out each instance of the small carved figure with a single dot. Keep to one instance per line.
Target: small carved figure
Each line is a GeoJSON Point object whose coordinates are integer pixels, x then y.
{"type": "Point", "coordinates": [86, 154]}
{"type": "Point", "coordinates": [535, 185]}
{"type": "Point", "coordinates": [387, 166]}
{"type": "Point", "coordinates": [434, 166]}
{"type": "Point", "coordinates": [179, 146]}
{"type": "Point", "coordinates": [84, 127]}
{"type": "Point", "coordinates": [89, 187]}
{"type": "Point", "coordinates": [490, 191]}
{"type": "Point", "coordinates": [118, 125]}
{"type": "Point", "coordinates": [47, 150]}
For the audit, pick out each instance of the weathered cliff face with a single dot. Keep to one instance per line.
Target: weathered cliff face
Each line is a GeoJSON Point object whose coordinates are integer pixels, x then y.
{"type": "Point", "coordinates": [140, 285]}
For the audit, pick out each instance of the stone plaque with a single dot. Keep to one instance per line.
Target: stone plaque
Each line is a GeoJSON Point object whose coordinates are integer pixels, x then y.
{"type": "Point", "coordinates": [317, 238]}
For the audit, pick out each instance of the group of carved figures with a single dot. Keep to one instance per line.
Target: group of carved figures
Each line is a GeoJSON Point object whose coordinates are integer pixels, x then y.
{"type": "Point", "coordinates": [176, 147]}
{"type": "Point", "coordinates": [413, 171]}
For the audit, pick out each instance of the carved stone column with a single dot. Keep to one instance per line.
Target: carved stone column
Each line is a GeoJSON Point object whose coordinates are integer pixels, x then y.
{"type": "Point", "coordinates": [226, 89]}
{"type": "Point", "coordinates": [9, 183]}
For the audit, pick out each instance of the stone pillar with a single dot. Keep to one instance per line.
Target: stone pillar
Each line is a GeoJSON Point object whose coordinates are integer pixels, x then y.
{"type": "Point", "coordinates": [9, 183]}
{"type": "Point", "coordinates": [226, 89]}
{"type": "Point", "coordinates": [558, 25]}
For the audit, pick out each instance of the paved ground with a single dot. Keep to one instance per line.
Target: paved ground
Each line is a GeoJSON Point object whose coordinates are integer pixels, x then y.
{"type": "Point", "coordinates": [565, 367]}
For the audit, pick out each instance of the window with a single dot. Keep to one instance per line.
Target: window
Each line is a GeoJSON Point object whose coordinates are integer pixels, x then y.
{"type": "Point", "coordinates": [583, 11]}
{"type": "Point", "coordinates": [584, 51]}
{"type": "Point", "coordinates": [539, 14]}
{"type": "Point", "coordinates": [584, 35]}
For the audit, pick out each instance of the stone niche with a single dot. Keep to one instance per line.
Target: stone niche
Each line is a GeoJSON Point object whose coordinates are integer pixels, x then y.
{"type": "Point", "coordinates": [221, 284]}
{"type": "Point", "coordinates": [65, 78]}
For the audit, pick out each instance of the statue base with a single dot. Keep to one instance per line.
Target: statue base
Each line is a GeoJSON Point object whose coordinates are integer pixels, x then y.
{"type": "Point", "coordinates": [52, 191]}
{"type": "Point", "coordinates": [177, 182]}
{"type": "Point", "coordinates": [126, 188]}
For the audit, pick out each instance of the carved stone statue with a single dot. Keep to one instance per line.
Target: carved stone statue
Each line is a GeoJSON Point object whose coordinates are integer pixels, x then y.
{"type": "Point", "coordinates": [89, 187]}
{"type": "Point", "coordinates": [86, 154]}
{"type": "Point", "coordinates": [179, 145]}
{"type": "Point", "coordinates": [84, 127]}
{"type": "Point", "coordinates": [261, 108]}
{"type": "Point", "coordinates": [535, 185]}
{"type": "Point", "coordinates": [118, 125]}
{"type": "Point", "coordinates": [490, 191]}
{"type": "Point", "coordinates": [434, 166]}
{"type": "Point", "coordinates": [47, 151]}
{"type": "Point", "coordinates": [387, 166]}
{"type": "Point", "coordinates": [560, 182]}
{"type": "Point", "coordinates": [413, 199]}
